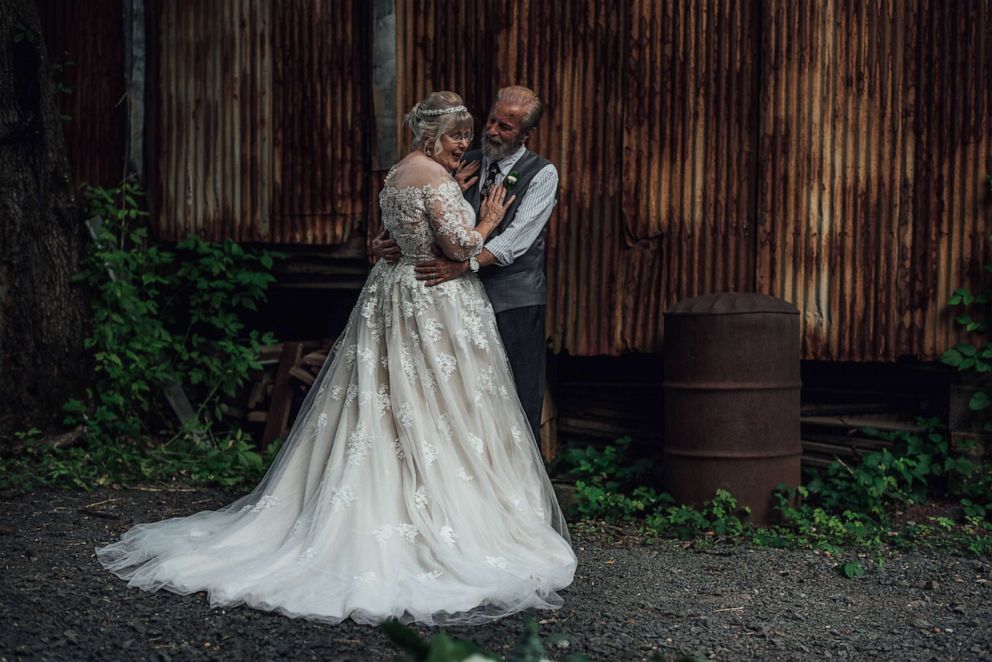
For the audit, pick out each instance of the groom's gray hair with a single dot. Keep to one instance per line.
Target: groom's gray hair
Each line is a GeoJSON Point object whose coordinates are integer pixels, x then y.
{"type": "Point", "coordinates": [518, 95]}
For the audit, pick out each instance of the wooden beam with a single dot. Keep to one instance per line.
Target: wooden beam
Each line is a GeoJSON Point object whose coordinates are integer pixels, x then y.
{"type": "Point", "coordinates": [282, 395]}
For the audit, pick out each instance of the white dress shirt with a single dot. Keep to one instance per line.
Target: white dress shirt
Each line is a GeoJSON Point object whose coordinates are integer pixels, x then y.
{"type": "Point", "coordinates": [532, 213]}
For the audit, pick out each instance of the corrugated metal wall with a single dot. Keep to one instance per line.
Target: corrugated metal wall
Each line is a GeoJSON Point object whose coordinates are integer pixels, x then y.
{"type": "Point", "coordinates": [259, 119]}
{"type": "Point", "coordinates": [875, 140]}
{"type": "Point", "coordinates": [572, 55]}
{"type": "Point", "coordinates": [952, 205]}
{"type": "Point", "coordinates": [828, 152]}
{"type": "Point", "coordinates": [443, 45]}
{"type": "Point", "coordinates": [89, 34]}
{"type": "Point", "coordinates": [440, 45]}
{"type": "Point", "coordinates": [689, 155]}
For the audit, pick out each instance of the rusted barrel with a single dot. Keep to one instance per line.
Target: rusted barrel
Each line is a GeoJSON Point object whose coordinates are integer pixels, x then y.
{"type": "Point", "coordinates": [731, 388]}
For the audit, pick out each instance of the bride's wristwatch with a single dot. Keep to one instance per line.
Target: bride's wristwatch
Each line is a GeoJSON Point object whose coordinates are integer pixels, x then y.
{"type": "Point", "coordinates": [473, 264]}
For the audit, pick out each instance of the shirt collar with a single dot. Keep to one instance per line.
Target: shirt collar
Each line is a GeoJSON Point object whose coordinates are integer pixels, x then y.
{"type": "Point", "coordinates": [506, 162]}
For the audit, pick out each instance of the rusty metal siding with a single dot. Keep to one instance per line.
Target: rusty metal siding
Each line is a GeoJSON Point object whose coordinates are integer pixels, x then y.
{"type": "Point", "coordinates": [321, 113]}
{"type": "Point", "coordinates": [91, 36]}
{"type": "Point", "coordinates": [440, 45]}
{"type": "Point", "coordinates": [572, 55]}
{"type": "Point", "coordinates": [875, 139]}
{"type": "Point", "coordinates": [828, 152]}
{"type": "Point", "coordinates": [260, 123]}
{"type": "Point", "coordinates": [443, 45]}
{"type": "Point", "coordinates": [953, 155]}
{"type": "Point", "coordinates": [689, 150]}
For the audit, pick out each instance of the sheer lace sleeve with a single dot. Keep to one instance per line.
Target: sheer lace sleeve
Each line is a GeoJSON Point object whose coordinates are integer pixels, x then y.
{"type": "Point", "coordinates": [451, 219]}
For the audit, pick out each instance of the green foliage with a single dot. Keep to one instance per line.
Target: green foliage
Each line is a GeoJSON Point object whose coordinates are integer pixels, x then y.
{"type": "Point", "coordinates": [975, 510]}
{"type": "Point", "coordinates": [973, 535]}
{"type": "Point", "coordinates": [852, 569]}
{"type": "Point", "coordinates": [973, 315]}
{"type": "Point", "coordinates": [914, 469]}
{"type": "Point", "coordinates": [607, 488]}
{"type": "Point", "coordinates": [445, 648]}
{"type": "Point", "coordinates": [233, 462]}
{"type": "Point", "coordinates": [597, 502]}
{"type": "Point", "coordinates": [607, 467]}
{"type": "Point", "coordinates": [24, 32]}
{"type": "Point", "coordinates": [850, 506]}
{"type": "Point", "coordinates": [720, 516]}
{"type": "Point", "coordinates": [842, 506]}
{"type": "Point", "coordinates": [804, 525]}
{"type": "Point", "coordinates": [59, 67]}
{"type": "Point", "coordinates": [607, 482]}
{"type": "Point", "coordinates": [441, 648]}
{"type": "Point", "coordinates": [161, 317]}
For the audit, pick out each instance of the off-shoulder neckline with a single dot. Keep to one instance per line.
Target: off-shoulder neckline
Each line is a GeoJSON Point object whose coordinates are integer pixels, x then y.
{"type": "Point", "coordinates": [387, 184]}
{"type": "Point", "coordinates": [433, 166]}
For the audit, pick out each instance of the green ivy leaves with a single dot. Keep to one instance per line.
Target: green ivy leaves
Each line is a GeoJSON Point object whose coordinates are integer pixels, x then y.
{"type": "Point", "coordinates": [852, 569]}
{"type": "Point", "coordinates": [966, 356]}
{"type": "Point", "coordinates": [163, 315]}
{"type": "Point", "coordinates": [607, 488]}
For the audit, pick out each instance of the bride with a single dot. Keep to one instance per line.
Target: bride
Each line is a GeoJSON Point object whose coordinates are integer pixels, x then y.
{"type": "Point", "coordinates": [410, 486]}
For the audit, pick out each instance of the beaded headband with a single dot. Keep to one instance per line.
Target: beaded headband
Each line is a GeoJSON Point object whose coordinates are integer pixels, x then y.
{"type": "Point", "coordinates": [443, 111]}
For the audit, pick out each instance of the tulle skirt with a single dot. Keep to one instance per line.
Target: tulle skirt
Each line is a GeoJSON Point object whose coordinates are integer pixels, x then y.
{"type": "Point", "coordinates": [409, 487]}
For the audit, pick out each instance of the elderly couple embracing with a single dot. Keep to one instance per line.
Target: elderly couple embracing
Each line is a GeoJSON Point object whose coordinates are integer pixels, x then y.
{"type": "Point", "coordinates": [410, 486]}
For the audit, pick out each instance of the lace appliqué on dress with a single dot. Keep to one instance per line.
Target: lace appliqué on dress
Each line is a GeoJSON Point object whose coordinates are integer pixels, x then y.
{"type": "Point", "coordinates": [358, 444]}
{"type": "Point", "coordinates": [341, 499]}
{"type": "Point", "coordinates": [266, 502]}
{"type": "Point", "coordinates": [433, 213]}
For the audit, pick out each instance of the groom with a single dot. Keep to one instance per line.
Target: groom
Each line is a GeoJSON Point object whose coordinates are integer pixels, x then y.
{"type": "Point", "coordinates": [511, 266]}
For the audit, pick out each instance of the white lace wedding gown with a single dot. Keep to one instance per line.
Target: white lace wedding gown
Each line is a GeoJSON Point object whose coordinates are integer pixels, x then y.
{"type": "Point", "coordinates": [410, 486]}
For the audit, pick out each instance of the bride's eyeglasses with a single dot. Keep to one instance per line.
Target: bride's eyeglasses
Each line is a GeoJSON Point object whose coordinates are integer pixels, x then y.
{"type": "Point", "coordinates": [459, 137]}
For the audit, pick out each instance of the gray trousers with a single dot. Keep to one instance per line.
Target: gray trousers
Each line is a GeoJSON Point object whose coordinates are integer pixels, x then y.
{"type": "Point", "coordinates": [522, 331]}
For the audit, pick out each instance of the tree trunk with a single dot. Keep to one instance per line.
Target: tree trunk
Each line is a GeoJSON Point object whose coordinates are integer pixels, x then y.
{"type": "Point", "coordinates": [43, 314]}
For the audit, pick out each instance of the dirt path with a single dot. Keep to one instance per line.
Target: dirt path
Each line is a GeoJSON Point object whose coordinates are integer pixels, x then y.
{"type": "Point", "coordinates": [629, 601]}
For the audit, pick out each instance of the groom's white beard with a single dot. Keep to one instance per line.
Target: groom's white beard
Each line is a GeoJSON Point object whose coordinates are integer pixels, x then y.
{"type": "Point", "coordinates": [501, 151]}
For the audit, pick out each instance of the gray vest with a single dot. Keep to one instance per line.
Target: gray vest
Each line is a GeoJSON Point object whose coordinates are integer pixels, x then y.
{"type": "Point", "coordinates": [522, 283]}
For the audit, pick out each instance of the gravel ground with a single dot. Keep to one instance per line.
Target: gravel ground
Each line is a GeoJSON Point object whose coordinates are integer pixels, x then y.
{"type": "Point", "coordinates": [629, 601]}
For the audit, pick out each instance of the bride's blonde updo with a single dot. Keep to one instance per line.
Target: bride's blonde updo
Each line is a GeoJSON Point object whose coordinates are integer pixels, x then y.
{"type": "Point", "coordinates": [439, 113]}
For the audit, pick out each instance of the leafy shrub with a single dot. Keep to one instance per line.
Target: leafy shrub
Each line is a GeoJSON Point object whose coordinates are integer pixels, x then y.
{"type": "Point", "coordinates": [161, 317]}
{"type": "Point", "coordinates": [608, 489]}
{"type": "Point", "coordinates": [842, 506]}
{"type": "Point", "coordinates": [811, 526]}
{"type": "Point", "coordinates": [721, 516]}
{"type": "Point", "coordinates": [973, 315]}
{"type": "Point", "coordinates": [850, 504]}
{"type": "Point", "coordinates": [913, 470]}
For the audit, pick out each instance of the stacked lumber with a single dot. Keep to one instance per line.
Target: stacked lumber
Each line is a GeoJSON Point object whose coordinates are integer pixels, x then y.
{"type": "Point", "coordinates": [826, 437]}
{"type": "Point", "coordinates": [835, 420]}
{"type": "Point", "coordinates": [289, 369]}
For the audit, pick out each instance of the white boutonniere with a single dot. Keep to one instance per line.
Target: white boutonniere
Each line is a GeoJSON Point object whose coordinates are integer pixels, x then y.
{"type": "Point", "coordinates": [511, 179]}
